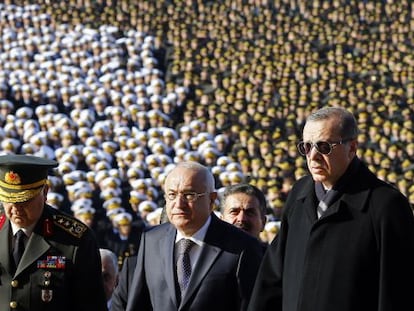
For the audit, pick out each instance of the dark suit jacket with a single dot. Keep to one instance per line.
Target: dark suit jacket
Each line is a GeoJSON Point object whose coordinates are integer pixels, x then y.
{"type": "Point", "coordinates": [222, 278]}
{"type": "Point", "coordinates": [68, 258]}
{"type": "Point", "coordinates": [123, 248]}
{"type": "Point", "coordinates": [358, 256]}
{"type": "Point", "coordinates": [124, 286]}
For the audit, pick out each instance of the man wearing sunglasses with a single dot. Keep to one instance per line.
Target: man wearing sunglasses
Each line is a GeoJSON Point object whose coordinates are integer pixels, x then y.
{"type": "Point", "coordinates": [346, 241]}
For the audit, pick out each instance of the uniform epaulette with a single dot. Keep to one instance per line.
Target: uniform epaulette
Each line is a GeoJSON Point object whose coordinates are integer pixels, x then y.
{"type": "Point", "coordinates": [70, 225]}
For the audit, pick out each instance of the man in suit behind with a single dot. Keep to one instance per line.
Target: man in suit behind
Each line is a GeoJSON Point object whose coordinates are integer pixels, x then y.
{"type": "Point", "coordinates": [224, 260]}
{"type": "Point", "coordinates": [244, 206]}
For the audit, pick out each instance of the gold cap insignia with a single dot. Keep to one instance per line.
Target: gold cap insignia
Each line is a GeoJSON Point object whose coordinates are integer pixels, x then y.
{"type": "Point", "coordinates": [12, 178]}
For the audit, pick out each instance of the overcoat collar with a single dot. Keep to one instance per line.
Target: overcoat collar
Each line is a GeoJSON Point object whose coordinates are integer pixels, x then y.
{"type": "Point", "coordinates": [354, 194]}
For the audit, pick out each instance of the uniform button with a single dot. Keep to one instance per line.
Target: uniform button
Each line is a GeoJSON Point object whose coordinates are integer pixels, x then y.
{"type": "Point", "coordinates": [13, 304]}
{"type": "Point", "coordinates": [14, 283]}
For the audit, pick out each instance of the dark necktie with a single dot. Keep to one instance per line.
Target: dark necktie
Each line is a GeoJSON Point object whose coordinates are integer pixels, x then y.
{"type": "Point", "coordinates": [183, 263]}
{"type": "Point", "coordinates": [18, 249]}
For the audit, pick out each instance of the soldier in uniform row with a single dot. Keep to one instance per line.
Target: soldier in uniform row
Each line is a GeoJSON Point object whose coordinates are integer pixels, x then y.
{"type": "Point", "coordinates": [48, 260]}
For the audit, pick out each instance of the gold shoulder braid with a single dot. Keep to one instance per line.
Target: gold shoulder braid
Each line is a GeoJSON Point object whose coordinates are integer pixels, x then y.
{"type": "Point", "coordinates": [73, 226]}
{"type": "Point", "coordinates": [21, 196]}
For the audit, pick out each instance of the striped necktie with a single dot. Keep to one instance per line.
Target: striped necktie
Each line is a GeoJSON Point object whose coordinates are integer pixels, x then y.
{"type": "Point", "coordinates": [326, 198]}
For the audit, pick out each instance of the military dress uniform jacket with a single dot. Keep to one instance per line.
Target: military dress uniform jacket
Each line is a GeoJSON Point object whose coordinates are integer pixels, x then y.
{"type": "Point", "coordinates": [60, 269]}
{"type": "Point", "coordinates": [357, 257]}
{"type": "Point", "coordinates": [222, 278]}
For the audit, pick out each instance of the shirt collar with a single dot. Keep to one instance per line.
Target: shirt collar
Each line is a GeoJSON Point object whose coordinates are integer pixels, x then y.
{"type": "Point", "coordinates": [27, 231]}
{"type": "Point", "coordinates": [197, 237]}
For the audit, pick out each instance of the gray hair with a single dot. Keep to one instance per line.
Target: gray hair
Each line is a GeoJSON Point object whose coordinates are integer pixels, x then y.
{"type": "Point", "coordinates": [347, 124]}
{"type": "Point", "coordinates": [106, 253]}
{"type": "Point", "coordinates": [199, 169]}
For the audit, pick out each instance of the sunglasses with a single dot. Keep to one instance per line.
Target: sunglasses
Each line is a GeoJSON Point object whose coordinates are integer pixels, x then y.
{"type": "Point", "coordinates": [323, 147]}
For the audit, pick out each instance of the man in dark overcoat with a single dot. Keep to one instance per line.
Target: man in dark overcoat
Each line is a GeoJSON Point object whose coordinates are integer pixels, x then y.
{"type": "Point", "coordinates": [347, 238]}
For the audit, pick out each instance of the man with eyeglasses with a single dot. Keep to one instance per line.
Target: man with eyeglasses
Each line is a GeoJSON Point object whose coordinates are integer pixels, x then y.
{"type": "Point", "coordinates": [346, 241]}
{"type": "Point", "coordinates": [48, 260]}
{"type": "Point", "coordinates": [216, 271]}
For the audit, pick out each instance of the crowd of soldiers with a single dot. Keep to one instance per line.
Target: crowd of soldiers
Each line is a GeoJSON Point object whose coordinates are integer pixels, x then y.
{"type": "Point", "coordinates": [119, 91]}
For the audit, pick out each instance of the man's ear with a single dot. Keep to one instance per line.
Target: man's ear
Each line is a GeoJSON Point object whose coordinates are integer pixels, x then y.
{"type": "Point", "coordinates": [264, 219]}
{"type": "Point", "coordinates": [353, 147]}
{"type": "Point", "coordinates": [213, 197]}
{"type": "Point", "coordinates": [45, 190]}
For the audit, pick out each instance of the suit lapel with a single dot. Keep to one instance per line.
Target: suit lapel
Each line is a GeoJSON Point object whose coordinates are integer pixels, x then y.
{"type": "Point", "coordinates": [207, 258]}
{"type": "Point", "coordinates": [166, 251]}
{"type": "Point", "coordinates": [35, 248]}
{"type": "Point", "coordinates": [4, 241]}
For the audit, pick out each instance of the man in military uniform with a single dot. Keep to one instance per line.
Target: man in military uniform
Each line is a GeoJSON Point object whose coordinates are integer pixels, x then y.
{"type": "Point", "coordinates": [48, 260]}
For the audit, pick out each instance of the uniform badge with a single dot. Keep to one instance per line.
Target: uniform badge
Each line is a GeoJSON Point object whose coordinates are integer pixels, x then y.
{"type": "Point", "coordinates": [47, 295]}
{"type": "Point", "coordinates": [70, 225]}
{"type": "Point", "coordinates": [47, 228]}
{"type": "Point", "coordinates": [12, 178]}
{"type": "Point", "coordinates": [52, 262]}
{"type": "Point", "coordinates": [2, 220]}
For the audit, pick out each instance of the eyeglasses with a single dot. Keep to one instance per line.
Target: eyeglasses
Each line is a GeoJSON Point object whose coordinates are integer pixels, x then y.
{"type": "Point", "coordinates": [323, 147]}
{"type": "Point", "coordinates": [187, 196]}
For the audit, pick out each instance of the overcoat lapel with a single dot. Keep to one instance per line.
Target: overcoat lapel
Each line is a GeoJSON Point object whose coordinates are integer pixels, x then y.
{"type": "Point", "coordinates": [348, 202]}
{"type": "Point", "coordinates": [307, 197]}
{"type": "Point", "coordinates": [310, 208]}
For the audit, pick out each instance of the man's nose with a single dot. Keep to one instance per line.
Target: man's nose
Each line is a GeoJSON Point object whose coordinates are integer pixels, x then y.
{"type": "Point", "coordinates": [180, 200]}
{"type": "Point", "coordinates": [241, 215]}
{"type": "Point", "coordinates": [17, 206]}
{"type": "Point", "coordinates": [314, 153]}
